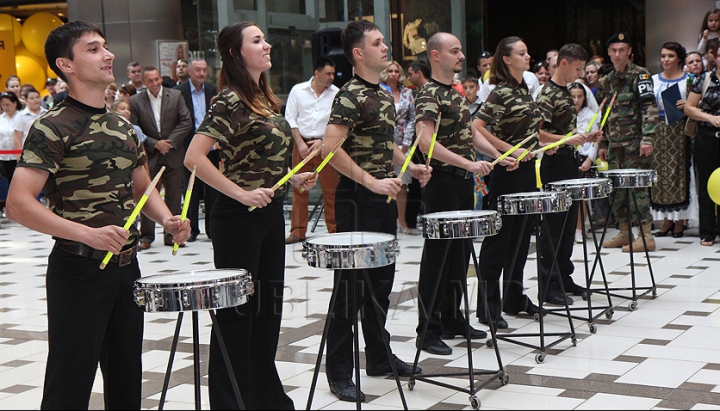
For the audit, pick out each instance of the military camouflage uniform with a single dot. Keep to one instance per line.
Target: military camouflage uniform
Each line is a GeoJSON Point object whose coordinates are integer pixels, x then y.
{"type": "Point", "coordinates": [513, 116]}
{"type": "Point", "coordinates": [450, 189]}
{"type": "Point", "coordinates": [91, 155]}
{"type": "Point", "coordinates": [369, 113]}
{"type": "Point", "coordinates": [632, 122]}
{"type": "Point", "coordinates": [559, 117]}
{"type": "Point", "coordinates": [256, 151]}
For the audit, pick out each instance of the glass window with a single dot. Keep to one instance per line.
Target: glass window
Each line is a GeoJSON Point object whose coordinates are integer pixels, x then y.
{"type": "Point", "coordinates": [291, 58]}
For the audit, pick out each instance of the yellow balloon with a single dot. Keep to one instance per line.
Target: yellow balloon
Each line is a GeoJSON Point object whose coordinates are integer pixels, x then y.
{"type": "Point", "coordinates": [714, 186]}
{"type": "Point", "coordinates": [8, 22]}
{"type": "Point", "coordinates": [36, 29]}
{"type": "Point", "coordinates": [30, 70]}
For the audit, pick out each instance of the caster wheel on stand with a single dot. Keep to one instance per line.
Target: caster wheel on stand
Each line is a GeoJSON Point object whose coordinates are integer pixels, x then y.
{"type": "Point", "coordinates": [633, 306]}
{"type": "Point", "coordinates": [609, 314]}
{"type": "Point", "coordinates": [540, 358]}
{"type": "Point", "coordinates": [475, 402]}
{"type": "Point", "coordinates": [505, 379]}
{"type": "Point", "coordinates": [593, 328]}
{"type": "Point", "coordinates": [574, 342]}
{"type": "Point", "coordinates": [411, 385]}
{"type": "Point", "coordinates": [489, 343]}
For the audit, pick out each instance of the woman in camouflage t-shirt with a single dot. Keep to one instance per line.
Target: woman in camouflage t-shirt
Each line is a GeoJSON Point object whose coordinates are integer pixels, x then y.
{"type": "Point", "coordinates": [255, 145]}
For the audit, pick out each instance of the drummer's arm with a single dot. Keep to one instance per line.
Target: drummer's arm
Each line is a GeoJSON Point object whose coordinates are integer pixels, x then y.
{"type": "Point", "coordinates": [498, 144]}
{"type": "Point", "coordinates": [440, 153]}
{"type": "Point", "coordinates": [156, 209]}
{"type": "Point", "coordinates": [345, 165]}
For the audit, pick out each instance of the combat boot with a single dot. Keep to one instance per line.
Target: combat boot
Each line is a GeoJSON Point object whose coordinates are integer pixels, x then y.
{"type": "Point", "coordinates": [624, 237]}
{"type": "Point", "coordinates": [638, 243]}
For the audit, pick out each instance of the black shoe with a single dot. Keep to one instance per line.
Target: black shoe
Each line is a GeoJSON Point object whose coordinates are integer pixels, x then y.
{"type": "Point", "coordinates": [499, 323]}
{"type": "Point", "coordinates": [460, 330]}
{"type": "Point", "coordinates": [437, 347]}
{"type": "Point", "coordinates": [557, 298]}
{"type": "Point", "coordinates": [681, 234]}
{"type": "Point", "coordinates": [663, 233]}
{"type": "Point", "coordinates": [345, 391]}
{"type": "Point", "coordinates": [574, 289]}
{"type": "Point", "coordinates": [403, 369]}
{"type": "Point", "coordinates": [193, 238]}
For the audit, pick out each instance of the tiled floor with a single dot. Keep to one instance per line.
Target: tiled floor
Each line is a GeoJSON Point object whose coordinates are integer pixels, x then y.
{"type": "Point", "coordinates": [664, 355]}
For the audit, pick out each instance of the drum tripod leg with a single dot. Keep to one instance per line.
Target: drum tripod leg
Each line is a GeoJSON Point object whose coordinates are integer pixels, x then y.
{"type": "Point", "coordinates": [323, 340]}
{"type": "Point", "coordinates": [598, 262]}
{"type": "Point", "coordinates": [356, 339]}
{"type": "Point", "coordinates": [555, 265]}
{"type": "Point", "coordinates": [483, 295]}
{"type": "Point", "coordinates": [378, 314]}
{"type": "Point", "coordinates": [226, 359]}
{"type": "Point", "coordinates": [173, 350]}
{"type": "Point", "coordinates": [468, 340]}
{"type": "Point", "coordinates": [196, 358]}
{"type": "Point", "coordinates": [429, 311]}
{"type": "Point", "coordinates": [647, 253]}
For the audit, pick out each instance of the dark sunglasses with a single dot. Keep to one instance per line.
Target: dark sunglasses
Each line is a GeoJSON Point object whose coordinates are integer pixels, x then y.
{"type": "Point", "coordinates": [485, 54]}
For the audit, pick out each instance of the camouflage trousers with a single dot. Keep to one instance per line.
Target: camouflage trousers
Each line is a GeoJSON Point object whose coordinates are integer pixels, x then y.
{"type": "Point", "coordinates": [623, 158]}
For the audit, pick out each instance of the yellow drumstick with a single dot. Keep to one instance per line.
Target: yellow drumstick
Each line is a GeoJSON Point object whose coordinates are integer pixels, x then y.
{"type": "Point", "coordinates": [292, 172]}
{"type": "Point", "coordinates": [434, 137]}
{"type": "Point", "coordinates": [326, 160]}
{"type": "Point", "coordinates": [135, 212]}
{"type": "Point", "coordinates": [408, 158]}
{"type": "Point", "coordinates": [526, 152]}
{"type": "Point", "coordinates": [607, 112]}
{"type": "Point", "coordinates": [186, 205]}
{"type": "Point", "coordinates": [594, 117]}
{"type": "Point", "coordinates": [555, 144]}
{"type": "Point", "coordinates": [507, 153]}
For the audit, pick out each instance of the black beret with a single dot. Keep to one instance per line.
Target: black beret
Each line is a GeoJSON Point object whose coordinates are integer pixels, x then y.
{"type": "Point", "coordinates": [621, 37]}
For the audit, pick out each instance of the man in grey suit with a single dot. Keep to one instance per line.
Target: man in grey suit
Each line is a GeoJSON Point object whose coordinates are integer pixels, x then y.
{"type": "Point", "coordinates": [198, 94]}
{"type": "Point", "coordinates": [163, 116]}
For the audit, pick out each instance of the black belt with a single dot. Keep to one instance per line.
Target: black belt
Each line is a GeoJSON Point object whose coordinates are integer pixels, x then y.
{"type": "Point", "coordinates": [457, 171]}
{"type": "Point", "coordinates": [566, 153]}
{"type": "Point", "coordinates": [73, 247]}
{"type": "Point", "coordinates": [709, 131]}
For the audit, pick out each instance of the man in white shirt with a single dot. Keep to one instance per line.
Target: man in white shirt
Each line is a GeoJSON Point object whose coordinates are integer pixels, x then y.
{"type": "Point", "coordinates": [307, 111]}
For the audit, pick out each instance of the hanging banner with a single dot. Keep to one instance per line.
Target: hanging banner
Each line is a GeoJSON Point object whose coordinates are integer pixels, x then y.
{"type": "Point", "coordinates": [7, 57]}
{"type": "Point", "coordinates": [169, 52]}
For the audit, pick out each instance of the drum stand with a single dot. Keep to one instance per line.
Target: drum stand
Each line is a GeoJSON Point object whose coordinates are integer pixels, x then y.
{"type": "Point", "coordinates": [196, 360]}
{"type": "Point", "coordinates": [471, 373]}
{"type": "Point", "coordinates": [356, 340]}
{"type": "Point", "coordinates": [607, 310]}
{"type": "Point", "coordinates": [634, 288]}
{"type": "Point", "coordinates": [562, 336]}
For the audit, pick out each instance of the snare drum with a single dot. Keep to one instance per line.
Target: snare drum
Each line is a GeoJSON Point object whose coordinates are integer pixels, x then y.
{"type": "Point", "coordinates": [461, 224]}
{"type": "Point", "coordinates": [194, 290]}
{"type": "Point", "coordinates": [631, 177]}
{"type": "Point", "coordinates": [536, 202]}
{"type": "Point", "coordinates": [584, 188]}
{"type": "Point", "coordinates": [351, 250]}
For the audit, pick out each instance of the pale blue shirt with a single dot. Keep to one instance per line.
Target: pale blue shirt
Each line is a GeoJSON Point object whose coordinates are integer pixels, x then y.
{"type": "Point", "coordinates": [198, 99]}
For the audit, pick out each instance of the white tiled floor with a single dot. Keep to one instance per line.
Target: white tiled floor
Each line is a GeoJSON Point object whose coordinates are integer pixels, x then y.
{"type": "Point", "coordinates": [664, 355]}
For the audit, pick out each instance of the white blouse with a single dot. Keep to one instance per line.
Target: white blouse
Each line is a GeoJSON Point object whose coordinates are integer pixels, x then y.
{"type": "Point", "coordinates": [7, 137]}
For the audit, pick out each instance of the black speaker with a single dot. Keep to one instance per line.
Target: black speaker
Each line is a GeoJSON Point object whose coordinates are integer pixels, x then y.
{"type": "Point", "coordinates": [327, 43]}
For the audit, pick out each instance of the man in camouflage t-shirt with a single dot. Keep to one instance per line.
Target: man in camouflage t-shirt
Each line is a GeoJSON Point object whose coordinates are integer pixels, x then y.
{"type": "Point", "coordinates": [559, 119]}
{"type": "Point", "coordinates": [91, 166]}
{"type": "Point", "coordinates": [451, 189]}
{"type": "Point", "coordinates": [365, 113]}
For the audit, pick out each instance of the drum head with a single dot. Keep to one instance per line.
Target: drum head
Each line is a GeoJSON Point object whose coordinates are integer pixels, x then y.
{"type": "Point", "coordinates": [578, 182]}
{"type": "Point", "coordinates": [449, 215]}
{"type": "Point", "coordinates": [352, 238]}
{"type": "Point", "coordinates": [192, 277]}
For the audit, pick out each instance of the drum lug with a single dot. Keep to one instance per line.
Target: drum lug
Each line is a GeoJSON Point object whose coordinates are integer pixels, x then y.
{"type": "Point", "coordinates": [654, 176]}
{"type": "Point", "coordinates": [498, 223]}
{"type": "Point", "coordinates": [158, 298]}
{"type": "Point", "coordinates": [609, 186]}
{"type": "Point", "coordinates": [185, 298]}
{"type": "Point", "coordinates": [139, 297]}
{"type": "Point", "coordinates": [249, 288]}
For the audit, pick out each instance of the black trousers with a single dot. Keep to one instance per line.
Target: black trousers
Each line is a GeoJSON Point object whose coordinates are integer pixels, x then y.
{"type": "Point", "coordinates": [8, 169]}
{"type": "Point", "coordinates": [706, 160]}
{"type": "Point", "coordinates": [444, 192]}
{"type": "Point", "coordinates": [172, 180]}
{"type": "Point", "coordinates": [359, 209]}
{"type": "Point", "coordinates": [254, 241]}
{"type": "Point", "coordinates": [92, 317]}
{"type": "Point", "coordinates": [497, 251]}
{"type": "Point", "coordinates": [201, 191]}
{"type": "Point", "coordinates": [555, 168]}
{"type": "Point", "coordinates": [414, 199]}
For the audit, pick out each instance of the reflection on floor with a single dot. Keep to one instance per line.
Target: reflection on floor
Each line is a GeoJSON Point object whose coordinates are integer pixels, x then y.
{"type": "Point", "coordinates": [662, 355]}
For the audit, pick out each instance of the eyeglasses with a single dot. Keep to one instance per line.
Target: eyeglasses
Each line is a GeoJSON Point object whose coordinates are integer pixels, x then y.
{"type": "Point", "coordinates": [485, 54]}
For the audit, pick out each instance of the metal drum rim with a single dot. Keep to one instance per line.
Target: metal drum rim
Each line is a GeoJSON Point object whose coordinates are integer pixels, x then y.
{"type": "Point", "coordinates": [144, 280]}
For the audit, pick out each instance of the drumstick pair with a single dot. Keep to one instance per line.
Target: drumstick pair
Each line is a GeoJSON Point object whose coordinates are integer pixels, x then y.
{"type": "Point", "coordinates": [135, 212]}
{"type": "Point", "coordinates": [186, 204]}
{"type": "Point", "coordinates": [517, 146]}
{"type": "Point", "coordinates": [432, 142]}
{"type": "Point", "coordinates": [326, 160]}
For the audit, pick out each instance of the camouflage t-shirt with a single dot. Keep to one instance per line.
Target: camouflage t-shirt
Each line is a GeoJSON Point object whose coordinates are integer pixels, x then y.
{"type": "Point", "coordinates": [256, 150]}
{"type": "Point", "coordinates": [511, 113]}
{"type": "Point", "coordinates": [91, 155]}
{"type": "Point", "coordinates": [455, 132]}
{"type": "Point", "coordinates": [557, 110]}
{"type": "Point", "coordinates": [369, 112]}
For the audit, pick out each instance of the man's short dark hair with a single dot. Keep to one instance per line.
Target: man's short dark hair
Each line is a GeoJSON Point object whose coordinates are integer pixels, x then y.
{"type": "Point", "coordinates": [353, 34]}
{"type": "Point", "coordinates": [147, 69]}
{"type": "Point", "coordinates": [322, 62]}
{"type": "Point", "coordinates": [469, 78]}
{"type": "Point", "coordinates": [420, 66]}
{"type": "Point", "coordinates": [132, 64]}
{"type": "Point", "coordinates": [572, 52]}
{"type": "Point", "coordinates": [60, 42]}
